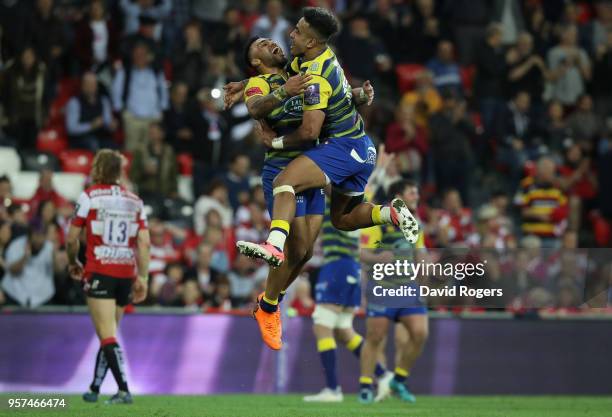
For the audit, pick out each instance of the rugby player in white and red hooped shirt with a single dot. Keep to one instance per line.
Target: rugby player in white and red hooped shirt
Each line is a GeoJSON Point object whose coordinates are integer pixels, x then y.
{"type": "Point", "coordinates": [117, 253]}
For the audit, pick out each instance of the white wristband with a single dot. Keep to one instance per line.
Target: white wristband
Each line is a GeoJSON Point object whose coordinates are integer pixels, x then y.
{"type": "Point", "coordinates": [277, 143]}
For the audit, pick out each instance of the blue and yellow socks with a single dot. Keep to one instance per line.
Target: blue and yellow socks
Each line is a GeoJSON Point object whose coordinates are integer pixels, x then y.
{"type": "Point", "coordinates": [327, 352]}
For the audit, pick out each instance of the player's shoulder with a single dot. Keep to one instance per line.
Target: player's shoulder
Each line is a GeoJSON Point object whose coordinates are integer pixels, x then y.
{"type": "Point", "coordinates": [319, 64]}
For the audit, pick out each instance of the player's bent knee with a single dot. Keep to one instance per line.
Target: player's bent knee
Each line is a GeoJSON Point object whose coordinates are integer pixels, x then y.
{"type": "Point", "coordinates": [340, 223]}
{"type": "Point", "coordinates": [283, 189]}
{"type": "Point", "coordinates": [324, 317]}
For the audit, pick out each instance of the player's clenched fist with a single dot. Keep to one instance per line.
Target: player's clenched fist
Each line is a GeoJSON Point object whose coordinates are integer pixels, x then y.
{"type": "Point", "coordinates": [368, 90]}
{"type": "Point", "coordinates": [297, 84]}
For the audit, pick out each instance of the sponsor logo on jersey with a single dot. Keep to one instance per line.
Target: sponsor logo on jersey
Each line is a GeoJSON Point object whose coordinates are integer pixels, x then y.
{"type": "Point", "coordinates": [293, 106]}
{"type": "Point", "coordinates": [253, 91]}
{"type": "Point", "coordinates": [312, 95]}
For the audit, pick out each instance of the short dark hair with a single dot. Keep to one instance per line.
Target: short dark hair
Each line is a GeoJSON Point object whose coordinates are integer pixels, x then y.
{"type": "Point", "coordinates": [322, 21]}
{"type": "Point", "coordinates": [247, 55]}
{"type": "Point", "coordinates": [398, 187]}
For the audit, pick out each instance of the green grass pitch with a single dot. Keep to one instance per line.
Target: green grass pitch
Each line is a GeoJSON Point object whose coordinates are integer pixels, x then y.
{"type": "Point", "coordinates": [292, 405]}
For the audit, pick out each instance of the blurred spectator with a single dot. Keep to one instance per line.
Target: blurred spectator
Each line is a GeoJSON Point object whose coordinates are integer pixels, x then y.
{"type": "Point", "coordinates": [6, 191]}
{"type": "Point", "coordinates": [449, 139]}
{"type": "Point", "coordinates": [5, 238]}
{"type": "Point", "coordinates": [244, 277]}
{"type": "Point", "coordinates": [168, 288]}
{"type": "Point", "coordinates": [256, 228]}
{"type": "Point", "coordinates": [491, 72]}
{"type": "Point", "coordinates": [216, 199]}
{"type": "Point", "coordinates": [570, 67]}
{"type": "Point", "coordinates": [231, 37]}
{"type": "Point", "coordinates": [510, 15]}
{"type": "Point", "coordinates": [46, 192]}
{"type": "Point", "coordinates": [491, 233]}
{"type": "Point", "coordinates": [89, 118]}
{"type": "Point", "coordinates": [249, 13]}
{"type": "Point", "coordinates": [96, 39]}
{"type": "Point", "coordinates": [516, 132]}
{"type": "Point", "coordinates": [211, 137]}
{"type": "Point", "coordinates": [162, 249]}
{"type": "Point", "coordinates": [302, 300]}
{"type": "Point", "coordinates": [407, 141]}
{"type": "Point", "coordinates": [555, 127]}
{"type": "Point", "coordinates": [600, 27]}
{"type": "Point", "coordinates": [133, 10]}
{"type": "Point", "coordinates": [47, 215]}
{"type": "Point", "coordinates": [144, 36]}
{"type": "Point", "coordinates": [139, 92]}
{"type": "Point", "coordinates": [210, 12]}
{"type": "Point", "coordinates": [384, 20]}
{"type": "Point", "coordinates": [468, 19]}
{"type": "Point", "coordinates": [203, 273]}
{"type": "Point", "coordinates": [28, 280]}
{"type": "Point", "coordinates": [220, 70]}
{"type": "Point", "coordinates": [220, 299]}
{"type": "Point", "coordinates": [191, 60]}
{"type": "Point", "coordinates": [578, 180]}
{"type": "Point", "coordinates": [584, 123]}
{"type": "Point", "coordinates": [221, 239]}
{"type": "Point", "coordinates": [538, 26]}
{"type": "Point", "coordinates": [273, 25]}
{"type": "Point", "coordinates": [445, 70]}
{"type": "Point", "coordinates": [455, 224]}
{"type": "Point", "coordinates": [237, 180]}
{"type": "Point", "coordinates": [192, 298]}
{"type": "Point", "coordinates": [424, 98]}
{"type": "Point", "coordinates": [176, 119]}
{"type": "Point", "coordinates": [25, 94]}
{"type": "Point", "coordinates": [420, 33]}
{"type": "Point", "coordinates": [527, 70]}
{"type": "Point", "coordinates": [363, 55]}
{"type": "Point", "coordinates": [602, 82]}
{"type": "Point", "coordinates": [544, 206]}
{"type": "Point", "coordinates": [18, 217]}
{"type": "Point", "coordinates": [45, 32]}
{"type": "Point", "coordinates": [500, 200]}
{"type": "Point", "coordinates": [154, 169]}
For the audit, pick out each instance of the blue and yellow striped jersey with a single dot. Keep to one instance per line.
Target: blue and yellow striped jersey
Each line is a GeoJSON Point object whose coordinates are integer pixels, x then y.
{"type": "Point", "coordinates": [284, 119]}
{"type": "Point", "coordinates": [337, 243]}
{"type": "Point", "coordinates": [329, 91]}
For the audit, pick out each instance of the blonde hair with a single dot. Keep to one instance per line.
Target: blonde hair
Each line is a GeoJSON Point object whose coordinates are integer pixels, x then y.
{"type": "Point", "coordinates": [106, 167]}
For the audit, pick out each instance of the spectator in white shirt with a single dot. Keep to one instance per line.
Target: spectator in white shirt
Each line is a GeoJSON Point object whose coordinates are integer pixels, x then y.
{"type": "Point", "coordinates": [273, 25]}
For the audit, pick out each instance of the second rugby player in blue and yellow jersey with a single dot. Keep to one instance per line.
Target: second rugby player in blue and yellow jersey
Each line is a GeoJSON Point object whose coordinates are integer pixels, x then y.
{"type": "Point", "coordinates": [345, 158]}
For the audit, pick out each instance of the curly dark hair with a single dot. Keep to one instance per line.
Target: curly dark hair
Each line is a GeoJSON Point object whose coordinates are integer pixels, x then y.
{"type": "Point", "coordinates": [322, 21]}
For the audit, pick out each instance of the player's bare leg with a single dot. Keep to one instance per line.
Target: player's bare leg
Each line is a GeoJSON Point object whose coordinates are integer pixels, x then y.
{"type": "Point", "coordinates": [417, 328]}
{"type": "Point", "coordinates": [313, 223]}
{"type": "Point", "coordinates": [104, 316]}
{"type": "Point", "coordinates": [376, 333]}
{"type": "Point", "coordinates": [298, 249]}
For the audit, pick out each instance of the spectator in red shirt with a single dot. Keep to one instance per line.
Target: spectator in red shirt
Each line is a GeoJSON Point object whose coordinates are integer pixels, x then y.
{"type": "Point", "coordinates": [162, 249]}
{"type": "Point", "coordinates": [455, 225]}
{"type": "Point", "coordinates": [579, 181]}
{"type": "Point", "coordinates": [407, 141]}
{"type": "Point", "coordinates": [46, 192]}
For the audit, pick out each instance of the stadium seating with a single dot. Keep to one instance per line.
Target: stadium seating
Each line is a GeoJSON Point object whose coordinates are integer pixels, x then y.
{"type": "Point", "coordinates": [69, 184]}
{"type": "Point", "coordinates": [76, 160]}
{"type": "Point", "coordinates": [36, 161]}
{"type": "Point", "coordinates": [52, 140]}
{"type": "Point", "coordinates": [25, 184]}
{"type": "Point", "coordinates": [11, 163]}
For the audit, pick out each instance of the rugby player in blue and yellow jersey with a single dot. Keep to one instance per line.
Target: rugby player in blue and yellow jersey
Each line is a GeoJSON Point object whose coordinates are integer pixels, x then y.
{"type": "Point", "coordinates": [274, 98]}
{"type": "Point", "coordinates": [412, 317]}
{"type": "Point", "coordinates": [345, 158]}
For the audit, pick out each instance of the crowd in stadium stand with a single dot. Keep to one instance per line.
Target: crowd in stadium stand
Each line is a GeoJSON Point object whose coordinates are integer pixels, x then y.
{"type": "Point", "coordinates": [500, 109]}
